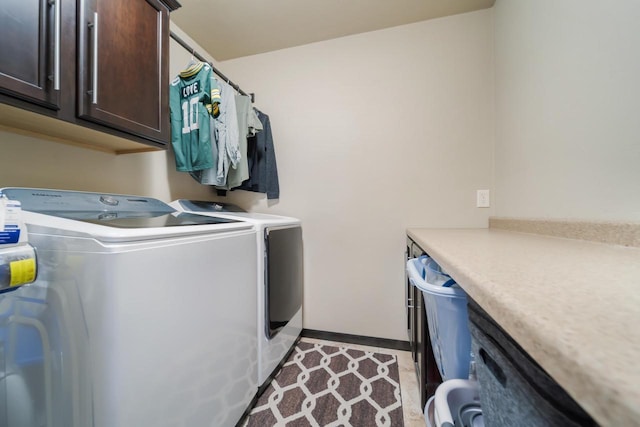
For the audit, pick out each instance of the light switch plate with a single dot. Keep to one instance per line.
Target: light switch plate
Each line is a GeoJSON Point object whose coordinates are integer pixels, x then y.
{"type": "Point", "coordinates": [483, 199]}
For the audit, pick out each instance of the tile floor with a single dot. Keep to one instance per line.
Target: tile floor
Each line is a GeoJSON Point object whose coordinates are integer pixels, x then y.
{"type": "Point", "coordinates": [411, 410]}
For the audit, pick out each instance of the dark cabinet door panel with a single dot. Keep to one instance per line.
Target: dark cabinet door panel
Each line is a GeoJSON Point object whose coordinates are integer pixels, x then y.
{"type": "Point", "coordinates": [124, 66]}
{"type": "Point", "coordinates": [421, 350]}
{"type": "Point", "coordinates": [30, 50]}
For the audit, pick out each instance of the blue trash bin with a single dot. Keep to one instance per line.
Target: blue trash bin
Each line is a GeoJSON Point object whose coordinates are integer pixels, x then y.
{"type": "Point", "coordinates": [446, 308]}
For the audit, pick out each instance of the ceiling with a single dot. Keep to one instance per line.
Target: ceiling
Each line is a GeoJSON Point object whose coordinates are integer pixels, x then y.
{"type": "Point", "coordinates": [230, 29]}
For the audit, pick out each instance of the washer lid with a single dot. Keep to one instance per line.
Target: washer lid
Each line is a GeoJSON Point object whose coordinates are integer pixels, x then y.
{"type": "Point", "coordinates": [217, 210]}
{"type": "Point", "coordinates": [208, 206]}
{"type": "Point", "coordinates": [133, 220]}
{"type": "Point", "coordinates": [113, 210]}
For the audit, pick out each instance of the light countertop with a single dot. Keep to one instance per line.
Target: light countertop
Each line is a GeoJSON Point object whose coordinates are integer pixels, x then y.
{"type": "Point", "coordinates": [573, 305]}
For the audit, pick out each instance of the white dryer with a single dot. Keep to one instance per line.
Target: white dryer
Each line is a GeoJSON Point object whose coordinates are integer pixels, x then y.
{"type": "Point", "coordinates": [140, 316]}
{"type": "Point", "coordinates": [280, 279]}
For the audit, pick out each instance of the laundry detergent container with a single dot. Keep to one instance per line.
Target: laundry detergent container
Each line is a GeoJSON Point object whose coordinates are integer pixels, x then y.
{"type": "Point", "coordinates": [446, 307]}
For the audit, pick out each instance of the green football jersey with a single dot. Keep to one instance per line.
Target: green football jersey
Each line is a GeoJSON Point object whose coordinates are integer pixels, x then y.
{"type": "Point", "coordinates": [194, 96]}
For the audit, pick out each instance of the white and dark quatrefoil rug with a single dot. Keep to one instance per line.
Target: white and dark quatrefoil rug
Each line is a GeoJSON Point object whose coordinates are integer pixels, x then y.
{"type": "Point", "coordinates": [322, 386]}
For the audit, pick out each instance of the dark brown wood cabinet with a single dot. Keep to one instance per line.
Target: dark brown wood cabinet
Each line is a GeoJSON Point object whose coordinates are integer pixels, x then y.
{"type": "Point", "coordinates": [418, 330]}
{"type": "Point", "coordinates": [100, 64]}
{"type": "Point", "coordinates": [123, 67]}
{"type": "Point", "coordinates": [30, 50]}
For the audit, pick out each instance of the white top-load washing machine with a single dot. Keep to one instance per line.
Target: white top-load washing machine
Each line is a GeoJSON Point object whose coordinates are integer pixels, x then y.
{"type": "Point", "coordinates": [280, 279]}
{"type": "Point", "coordinates": [139, 316]}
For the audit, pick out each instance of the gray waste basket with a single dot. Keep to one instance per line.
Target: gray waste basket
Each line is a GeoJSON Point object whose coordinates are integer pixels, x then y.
{"type": "Point", "coordinates": [514, 389]}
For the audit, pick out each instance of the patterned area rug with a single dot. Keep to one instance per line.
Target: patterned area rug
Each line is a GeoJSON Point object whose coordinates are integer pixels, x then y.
{"type": "Point", "coordinates": [321, 385]}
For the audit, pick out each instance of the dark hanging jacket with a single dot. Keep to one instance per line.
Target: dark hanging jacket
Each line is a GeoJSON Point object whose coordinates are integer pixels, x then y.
{"type": "Point", "coordinates": [263, 171]}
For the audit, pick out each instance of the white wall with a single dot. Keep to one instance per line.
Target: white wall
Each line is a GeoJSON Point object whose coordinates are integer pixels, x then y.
{"type": "Point", "coordinates": [375, 133]}
{"type": "Point", "coordinates": [567, 105]}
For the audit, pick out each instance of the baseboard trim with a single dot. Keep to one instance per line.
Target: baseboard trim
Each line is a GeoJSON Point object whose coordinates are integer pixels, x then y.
{"type": "Point", "coordinates": [357, 339]}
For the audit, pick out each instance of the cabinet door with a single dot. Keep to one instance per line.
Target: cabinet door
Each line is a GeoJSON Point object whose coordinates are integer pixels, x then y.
{"type": "Point", "coordinates": [30, 50]}
{"type": "Point", "coordinates": [123, 66]}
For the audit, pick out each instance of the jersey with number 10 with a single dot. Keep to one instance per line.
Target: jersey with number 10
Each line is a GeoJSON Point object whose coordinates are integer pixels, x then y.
{"type": "Point", "coordinates": [193, 96]}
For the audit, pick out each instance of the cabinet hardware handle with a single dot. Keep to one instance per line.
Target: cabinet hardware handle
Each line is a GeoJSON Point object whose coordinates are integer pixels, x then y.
{"type": "Point", "coordinates": [411, 306]}
{"type": "Point", "coordinates": [56, 43]}
{"type": "Point", "coordinates": [94, 60]}
{"type": "Point", "coordinates": [493, 367]}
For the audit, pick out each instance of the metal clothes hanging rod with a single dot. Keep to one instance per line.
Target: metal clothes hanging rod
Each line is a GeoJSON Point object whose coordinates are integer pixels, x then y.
{"type": "Point", "coordinates": [215, 70]}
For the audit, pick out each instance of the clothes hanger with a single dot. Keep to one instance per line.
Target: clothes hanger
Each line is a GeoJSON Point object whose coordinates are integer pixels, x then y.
{"type": "Point", "coordinates": [193, 61]}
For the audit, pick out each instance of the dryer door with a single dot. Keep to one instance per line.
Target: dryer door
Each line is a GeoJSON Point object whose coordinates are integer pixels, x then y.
{"type": "Point", "coordinates": [283, 276]}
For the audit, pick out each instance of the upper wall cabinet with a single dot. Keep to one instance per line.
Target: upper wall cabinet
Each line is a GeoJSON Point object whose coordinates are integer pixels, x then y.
{"type": "Point", "coordinates": [123, 65]}
{"type": "Point", "coordinates": [30, 50]}
{"type": "Point", "coordinates": [99, 64]}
